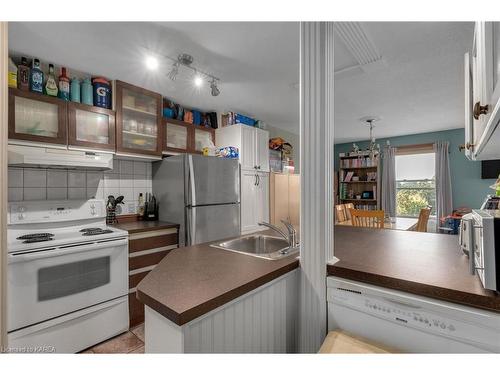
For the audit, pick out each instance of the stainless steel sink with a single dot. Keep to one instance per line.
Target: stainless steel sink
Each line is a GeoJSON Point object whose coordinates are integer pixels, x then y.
{"type": "Point", "coordinates": [261, 246]}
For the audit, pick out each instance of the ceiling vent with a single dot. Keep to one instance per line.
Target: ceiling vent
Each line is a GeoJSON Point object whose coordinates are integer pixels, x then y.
{"type": "Point", "coordinates": [360, 46]}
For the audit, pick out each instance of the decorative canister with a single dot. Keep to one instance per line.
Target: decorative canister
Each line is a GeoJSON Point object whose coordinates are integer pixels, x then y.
{"type": "Point", "coordinates": [102, 93]}
{"type": "Point", "coordinates": [87, 96]}
{"type": "Point", "coordinates": [74, 91]}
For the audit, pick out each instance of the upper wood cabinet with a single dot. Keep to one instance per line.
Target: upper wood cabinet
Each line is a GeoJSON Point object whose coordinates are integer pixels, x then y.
{"type": "Point", "coordinates": [183, 137]}
{"type": "Point", "coordinates": [37, 118]}
{"type": "Point", "coordinates": [482, 93]}
{"type": "Point", "coordinates": [91, 127]}
{"type": "Point", "coordinates": [138, 120]}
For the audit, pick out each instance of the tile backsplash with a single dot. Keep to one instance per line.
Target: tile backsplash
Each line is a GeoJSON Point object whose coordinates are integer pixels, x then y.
{"type": "Point", "coordinates": [127, 178]}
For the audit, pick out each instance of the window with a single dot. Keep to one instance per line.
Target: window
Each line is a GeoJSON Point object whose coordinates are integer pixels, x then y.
{"type": "Point", "coordinates": [415, 183]}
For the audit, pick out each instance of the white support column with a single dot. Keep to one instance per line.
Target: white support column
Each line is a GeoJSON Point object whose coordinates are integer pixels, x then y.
{"type": "Point", "coordinates": [4, 56]}
{"type": "Point", "coordinates": [316, 148]}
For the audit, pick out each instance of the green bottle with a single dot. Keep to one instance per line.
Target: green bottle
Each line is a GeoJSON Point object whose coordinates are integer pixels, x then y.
{"type": "Point", "coordinates": [51, 84]}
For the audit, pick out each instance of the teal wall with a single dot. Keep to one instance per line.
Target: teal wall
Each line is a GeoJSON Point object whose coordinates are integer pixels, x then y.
{"type": "Point", "coordinates": [468, 188]}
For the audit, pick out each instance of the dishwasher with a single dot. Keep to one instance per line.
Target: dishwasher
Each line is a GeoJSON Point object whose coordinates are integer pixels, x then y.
{"type": "Point", "coordinates": [410, 323]}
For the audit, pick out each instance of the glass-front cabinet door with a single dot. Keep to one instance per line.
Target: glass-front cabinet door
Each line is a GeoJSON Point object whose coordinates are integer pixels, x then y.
{"type": "Point", "coordinates": [37, 118]}
{"type": "Point", "coordinates": [202, 137]}
{"type": "Point", "coordinates": [177, 136]}
{"type": "Point", "coordinates": [91, 127]}
{"type": "Point", "coordinates": [138, 114]}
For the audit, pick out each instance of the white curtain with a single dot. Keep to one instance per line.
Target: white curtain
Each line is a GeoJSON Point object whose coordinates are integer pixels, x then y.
{"type": "Point", "coordinates": [389, 181]}
{"type": "Point", "coordinates": [444, 202]}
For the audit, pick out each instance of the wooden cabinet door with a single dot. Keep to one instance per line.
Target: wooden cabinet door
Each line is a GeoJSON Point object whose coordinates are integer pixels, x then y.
{"type": "Point", "coordinates": [262, 150]}
{"type": "Point", "coordinates": [91, 127]}
{"type": "Point", "coordinates": [247, 150]}
{"type": "Point", "coordinates": [248, 201]}
{"type": "Point", "coordinates": [37, 118]}
{"type": "Point", "coordinates": [178, 136]}
{"type": "Point", "coordinates": [138, 120]}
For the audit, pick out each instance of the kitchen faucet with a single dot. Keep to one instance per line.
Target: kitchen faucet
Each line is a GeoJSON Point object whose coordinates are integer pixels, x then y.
{"type": "Point", "coordinates": [291, 237]}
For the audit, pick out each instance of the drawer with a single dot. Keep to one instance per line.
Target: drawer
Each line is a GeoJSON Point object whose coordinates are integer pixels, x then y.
{"type": "Point", "coordinates": [152, 240]}
{"type": "Point", "coordinates": [148, 257]}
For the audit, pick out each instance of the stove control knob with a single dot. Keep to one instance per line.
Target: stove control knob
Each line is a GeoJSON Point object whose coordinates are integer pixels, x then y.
{"type": "Point", "coordinates": [21, 209]}
{"type": "Point", "coordinates": [21, 216]}
{"type": "Point", "coordinates": [93, 212]}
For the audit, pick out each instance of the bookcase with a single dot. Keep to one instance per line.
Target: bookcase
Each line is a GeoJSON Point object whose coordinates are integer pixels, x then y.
{"type": "Point", "coordinates": [359, 177]}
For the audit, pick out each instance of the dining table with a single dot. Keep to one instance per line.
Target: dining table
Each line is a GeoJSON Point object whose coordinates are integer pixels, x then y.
{"type": "Point", "coordinates": [398, 223]}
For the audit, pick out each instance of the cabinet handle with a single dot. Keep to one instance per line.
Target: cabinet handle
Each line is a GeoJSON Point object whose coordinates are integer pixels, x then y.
{"type": "Point", "coordinates": [255, 181]}
{"type": "Point", "coordinates": [468, 146]}
{"type": "Point", "coordinates": [480, 110]}
{"type": "Point", "coordinates": [258, 180]}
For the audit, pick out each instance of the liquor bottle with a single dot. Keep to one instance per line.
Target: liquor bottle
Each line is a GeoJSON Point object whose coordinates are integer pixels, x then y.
{"type": "Point", "coordinates": [36, 77]}
{"type": "Point", "coordinates": [23, 75]}
{"type": "Point", "coordinates": [63, 85]}
{"type": "Point", "coordinates": [51, 85]}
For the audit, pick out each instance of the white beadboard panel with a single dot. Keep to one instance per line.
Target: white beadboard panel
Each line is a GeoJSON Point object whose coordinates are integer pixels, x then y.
{"type": "Point", "coordinates": [95, 193]}
{"type": "Point", "coordinates": [57, 178]}
{"type": "Point", "coordinates": [316, 146]}
{"type": "Point", "coordinates": [94, 179]}
{"type": "Point", "coordinates": [240, 326]}
{"type": "Point", "coordinates": [126, 180]}
{"type": "Point", "coordinates": [34, 194]}
{"type": "Point", "coordinates": [126, 167]}
{"type": "Point", "coordinates": [15, 194]}
{"type": "Point", "coordinates": [35, 178]}
{"type": "Point", "coordinates": [140, 168]}
{"type": "Point", "coordinates": [149, 168]}
{"type": "Point", "coordinates": [140, 182]}
{"type": "Point", "coordinates": [57, 193]}
{"type": "Point", "coordinates": [15, 178]}
{"type": "Point", "coordinates": [127, 192]}
{"type": "Point", "coordinates": [111, 180]}
{"type": "Point", "coordinates": [77, 179]}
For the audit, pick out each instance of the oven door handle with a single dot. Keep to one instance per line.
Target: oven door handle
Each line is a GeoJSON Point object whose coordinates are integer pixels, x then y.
{"type": "Point", "coordinates": [65, 250]}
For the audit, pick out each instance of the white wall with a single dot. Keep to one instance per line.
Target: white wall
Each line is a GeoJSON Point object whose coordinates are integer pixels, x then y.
{"type": "Point", "coordinates": [127, 178]}
{"type": "Point", "coordinates": [290, 137]}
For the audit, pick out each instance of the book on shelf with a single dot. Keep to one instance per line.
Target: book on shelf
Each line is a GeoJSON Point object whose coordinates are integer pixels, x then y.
{"type": "Point", "coordinates": [348, 176]}
{"type": "Point", "coordinates": [358, 162]}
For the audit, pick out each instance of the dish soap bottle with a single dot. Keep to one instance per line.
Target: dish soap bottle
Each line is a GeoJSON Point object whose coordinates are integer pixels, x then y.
{"type": "Point", "coordinates": [12, 80]}
{"type": "Point", "coordinates": [140, 205]}
{"type": "Point", "coordinates": [23, 75]}
{"type": "Point", "coordinates": [36, 77]}
{"type": "Point", "coordinates": [63, 85]}
{"type": "Point", "coordinates": [51, 85]}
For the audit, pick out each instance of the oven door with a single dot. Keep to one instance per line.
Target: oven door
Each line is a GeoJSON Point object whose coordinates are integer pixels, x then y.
{"type": "Point", "coordinates": [56, 281]}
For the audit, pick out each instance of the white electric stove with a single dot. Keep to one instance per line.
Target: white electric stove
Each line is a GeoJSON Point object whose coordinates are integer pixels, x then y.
{"type": "Point", "coordinates": [67, 276]}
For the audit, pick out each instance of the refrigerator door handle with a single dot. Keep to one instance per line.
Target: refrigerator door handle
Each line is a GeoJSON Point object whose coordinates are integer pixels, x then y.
{"type": "Point", "coordinates": [192, 225]}
{"type": "Point", "coordinates": [191, 180]}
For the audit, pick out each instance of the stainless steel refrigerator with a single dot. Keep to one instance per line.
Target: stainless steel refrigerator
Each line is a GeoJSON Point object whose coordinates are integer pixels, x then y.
{"type": "Point", "coordinates": [201, 193]}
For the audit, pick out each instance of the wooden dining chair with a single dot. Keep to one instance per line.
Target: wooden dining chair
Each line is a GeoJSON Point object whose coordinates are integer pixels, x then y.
{"type": "Point", "coordinates": [423, 219]}
{"type": "Point", "coordinates": [348, 207]}
{"type": "Point", "coordinates": [367, 218]}
{"type": "Point", "coordinates": [340, 213]}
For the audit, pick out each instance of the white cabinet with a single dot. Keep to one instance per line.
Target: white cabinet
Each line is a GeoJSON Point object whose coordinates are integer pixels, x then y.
{"type": "Point", "coordinates": [252, 143]}
{"type": "Point", "coordinates": [482, 93]}
{"type": "Point", "coordinates": [254, 200]}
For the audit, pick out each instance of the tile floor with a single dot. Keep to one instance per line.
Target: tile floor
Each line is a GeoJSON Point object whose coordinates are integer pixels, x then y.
{"type": "Point", "coordinates": [131, 342]}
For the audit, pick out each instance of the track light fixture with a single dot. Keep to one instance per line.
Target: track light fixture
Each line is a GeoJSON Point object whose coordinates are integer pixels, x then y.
{"type": "Point", "coordinates": [185, 60]}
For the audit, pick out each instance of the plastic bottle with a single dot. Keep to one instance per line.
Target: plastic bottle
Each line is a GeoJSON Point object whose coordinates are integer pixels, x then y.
{"type": "Point", "coordinates": [36, 77]}
{"type": "Point", "coordinates": [75, 90]}
{"type": "Point", "coordinates": [140, 210]}
{"type": "Point", "coordinates": [87, 95]}
{"type": "Point", "coordinates": [63, 85]}
{"type": "Point", "coordinates": [51, 84]}
{"type": "Point", "coordinates": [12, 78]}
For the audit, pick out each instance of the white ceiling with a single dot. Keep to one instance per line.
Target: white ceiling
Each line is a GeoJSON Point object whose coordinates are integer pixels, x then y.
{"type": "Point", "coordinates": [420, 88]}
{"type": "Point", "coordinates": [257, 62]}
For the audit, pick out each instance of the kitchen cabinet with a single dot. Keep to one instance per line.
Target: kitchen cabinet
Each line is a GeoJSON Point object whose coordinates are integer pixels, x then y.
{"type": "Point", "coordinates": [138, 121]}
{"type": "Point", "coordinates": [91, 127]}
{"type": "Point", "coordinates": [37, 118]}
{"type": "Point", "coordinates": [284, 199]}
{"type": "Point", "coordinates": [254, 200]}
{"type": "Point", "coordinates": [183, 137]}
{"type": "Point", "coordinates": [482, 93]}
{"type": "Point", "coordinates": [252, 143]}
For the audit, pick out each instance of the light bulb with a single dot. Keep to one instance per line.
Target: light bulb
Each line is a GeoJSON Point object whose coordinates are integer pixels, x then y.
{"type": "Point", "coordinates": [198, 81]}
{"type": "Point", "coordinates": [152, 63]}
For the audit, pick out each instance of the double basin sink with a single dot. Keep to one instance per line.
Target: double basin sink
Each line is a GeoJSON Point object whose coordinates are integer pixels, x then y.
{"type": "Point", "coordinates": [260, 246]}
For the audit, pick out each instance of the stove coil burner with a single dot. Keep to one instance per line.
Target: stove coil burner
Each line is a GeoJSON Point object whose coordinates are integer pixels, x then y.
{"type": "Point", "coordinates": [94, 231]}
{"type": "Point", "coordinates": [36, 237]}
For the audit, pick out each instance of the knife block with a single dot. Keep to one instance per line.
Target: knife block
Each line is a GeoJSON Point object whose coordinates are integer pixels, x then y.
{"type": "Point", "coordinates": [150, 211]}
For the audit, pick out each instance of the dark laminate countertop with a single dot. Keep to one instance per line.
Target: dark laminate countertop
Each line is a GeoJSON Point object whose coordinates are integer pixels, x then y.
{"type": "Point", "coordinates": [426, 264]}
{"type": "Point", "coordinates": [144, 226]}
{"type": "Point", "coordinates": [191, 281]}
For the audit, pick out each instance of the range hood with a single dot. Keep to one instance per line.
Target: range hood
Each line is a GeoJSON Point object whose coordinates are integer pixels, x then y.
{"type": "Point", "coordinates": [41, 157]}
